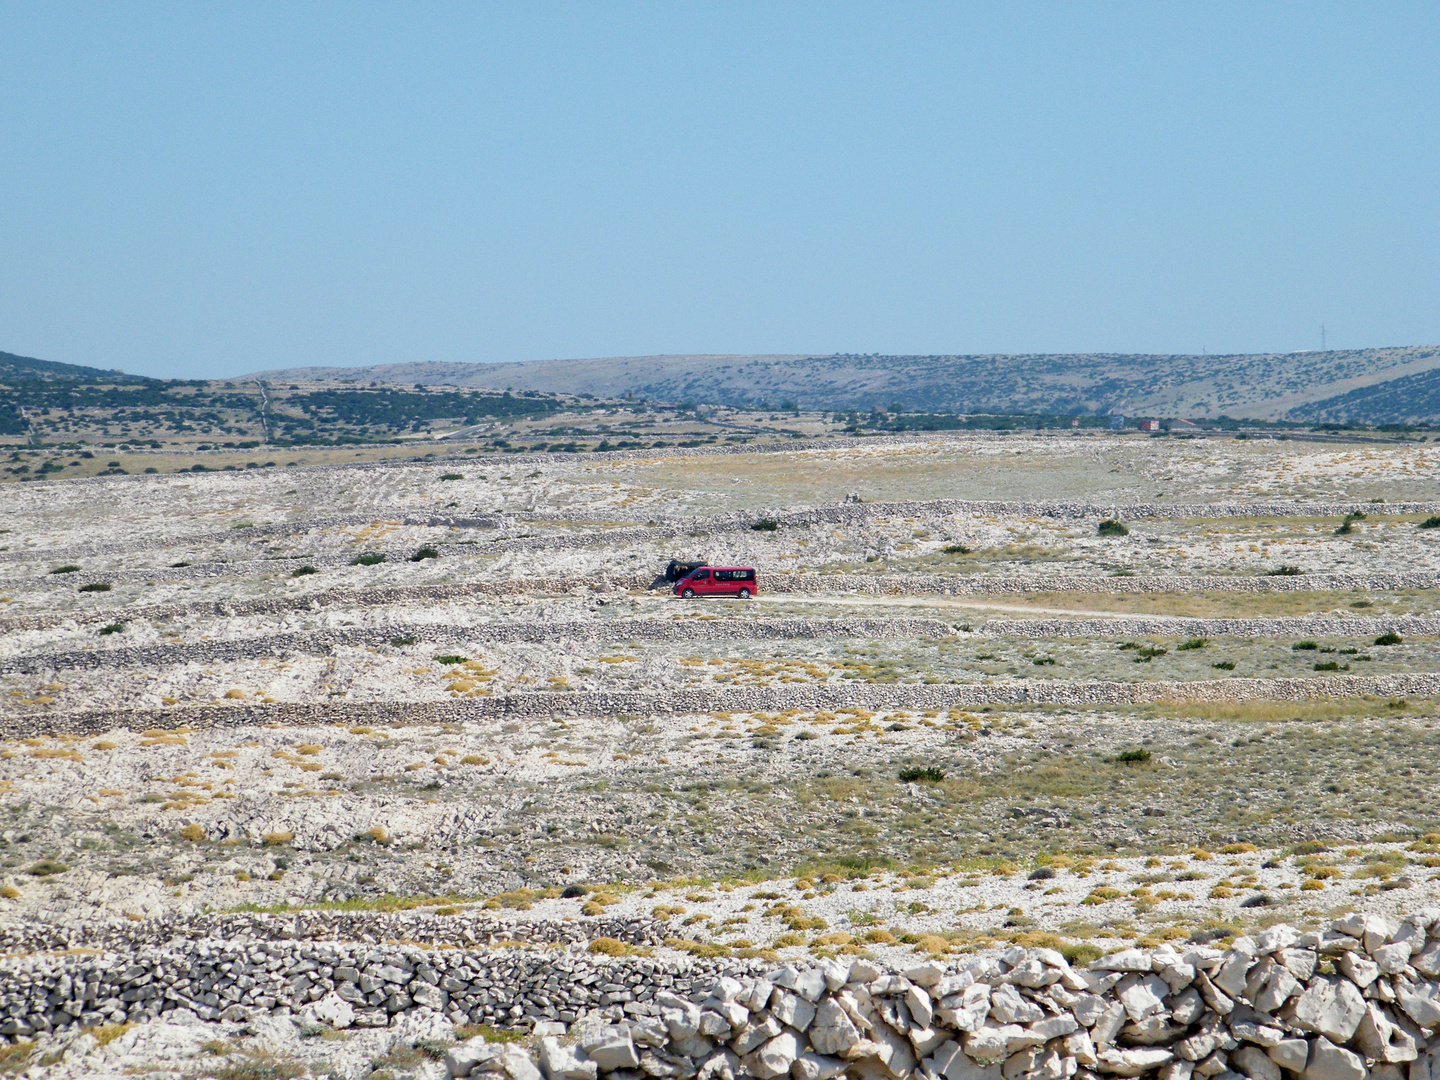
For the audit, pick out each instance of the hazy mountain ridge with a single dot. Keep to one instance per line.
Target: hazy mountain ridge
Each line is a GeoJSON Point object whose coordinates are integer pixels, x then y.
{"type": "Point", "coordinates": [1334, 385]}
{"type": "Point", "coordinates": [15, 368]}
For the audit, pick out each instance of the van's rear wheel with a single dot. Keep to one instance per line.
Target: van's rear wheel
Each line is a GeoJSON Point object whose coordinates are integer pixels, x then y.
{"type": "Point", "coordinates": [688, 594]}
{"type": "Point", "coordinates": [744, 594]}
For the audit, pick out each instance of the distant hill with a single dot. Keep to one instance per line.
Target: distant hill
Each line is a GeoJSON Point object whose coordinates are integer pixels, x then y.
{"type": "Point", "coordinates": [1362, 385]}
{"type": "Point", "coordinates": [28, 369]}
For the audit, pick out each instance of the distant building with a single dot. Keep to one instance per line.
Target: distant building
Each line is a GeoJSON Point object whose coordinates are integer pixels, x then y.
{"type": "Point", "coordinates": [1149, 425]}
{"type": "Point", "coordinates": [1117, 423]}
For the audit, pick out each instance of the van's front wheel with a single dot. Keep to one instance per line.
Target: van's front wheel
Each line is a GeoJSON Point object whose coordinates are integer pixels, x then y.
{"type": "Point", "coordinates": [688, 594]}
{"type": "Point", "coordinates": [744, 594]}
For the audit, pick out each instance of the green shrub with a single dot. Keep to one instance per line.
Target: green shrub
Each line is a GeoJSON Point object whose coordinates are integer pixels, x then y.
{"type": "Point", "coordinates": [1389, 638]}
{"type": "Point", "coordinates": [425, 553]}
{"type": "Point", "coordinates": [46, 867]}
{"type": "Point", "coordinates": [401, 642]}
{"type": "Point", "coordinates": [96, 586]}
{"type": "Point", "coordinates": [1304, 646]}
{"type": "Point", "coordinates": [451, 659]}
{"type": "Point", "coordinates": [765, 525]}
{"type": "Point", "coordinates": [1148, 653]}
{"type": "Point", "coordinates": [1042, 661]}
{"type": "Point", "coordinates": [1430, 523]}
{"type": "Point", "coordinates": [1224, 665]}
{"type": "Point", "coordinates": [1193, 643]}
{"type": "Point", "coordinates": [302, 571]}
{"type": "Point", "coordinates": [113, 628]}
{"type": "Point", "coordinates": [66, 569]}
{"type": "Point", "coordinates": [1330, 665]}
{"type": "Point", "coordinates": [452, 476]}
{"type": "Point", "coordinates": [1082, 953]}
{"type": "Point", "coordinates": [1133, 757]}
{"type": "Point", "coordinates": [1111, 527]}
{"type": "Point", "coordinates": [956, 549]}
{"type": "Point", "coordinates": [921, 774]}
{"type": "Point", "coordinates": [1284, 571]}
{"type": "Point", "coordinates": [369, 558]}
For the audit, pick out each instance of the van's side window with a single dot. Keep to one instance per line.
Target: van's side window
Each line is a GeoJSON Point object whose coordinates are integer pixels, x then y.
{"type": "Point", "coordinates": [702, 575]}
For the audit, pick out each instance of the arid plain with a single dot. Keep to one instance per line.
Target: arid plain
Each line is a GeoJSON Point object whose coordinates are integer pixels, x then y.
{"type": "Point", "coordinates": [959, 715]}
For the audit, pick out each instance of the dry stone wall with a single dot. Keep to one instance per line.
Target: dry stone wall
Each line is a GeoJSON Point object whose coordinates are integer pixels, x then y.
{"type": "Point", "coordinates": [655, 630]}
{"type": "Point", "coordinates": [812, 698]}
{"type": "Point", "coordinates": [1360, 999]}
{"type": "Point", "coordinates": [319, 641]}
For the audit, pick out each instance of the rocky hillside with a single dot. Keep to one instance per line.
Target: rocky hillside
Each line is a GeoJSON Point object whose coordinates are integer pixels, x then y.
{"type": "Point", "coordinates": [1366, 385]}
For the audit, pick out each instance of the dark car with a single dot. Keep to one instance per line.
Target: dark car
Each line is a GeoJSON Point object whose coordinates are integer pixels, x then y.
{"type": "Point", "coordinates": [677, 569]}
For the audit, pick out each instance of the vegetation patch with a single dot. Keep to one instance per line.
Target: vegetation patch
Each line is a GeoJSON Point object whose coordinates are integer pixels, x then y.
{"type": "Point", "coordinates": [921, 774]}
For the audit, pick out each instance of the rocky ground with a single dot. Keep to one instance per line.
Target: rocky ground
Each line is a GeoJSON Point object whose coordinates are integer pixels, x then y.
{"type": "Point", "coordinates": [385, 686]}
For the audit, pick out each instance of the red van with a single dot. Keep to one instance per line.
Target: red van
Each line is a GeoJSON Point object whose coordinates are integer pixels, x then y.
{"type": "Point", "coordinates": [718, 581]}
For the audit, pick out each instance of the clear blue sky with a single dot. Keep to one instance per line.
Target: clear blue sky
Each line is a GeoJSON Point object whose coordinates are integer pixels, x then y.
{"type": "Point", "coordinates": [208, 189]}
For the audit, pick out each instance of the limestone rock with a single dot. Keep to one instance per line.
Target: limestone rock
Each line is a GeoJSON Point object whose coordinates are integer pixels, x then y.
{"type": "Point", "coordinates": [1330, 1062]}
{"type": "Point", "coordinates": [1331, 1007]}
{"type": "Point", "coordinates": [610, 1048]}
{"type": "Point", "coordinates": [561, 1062]}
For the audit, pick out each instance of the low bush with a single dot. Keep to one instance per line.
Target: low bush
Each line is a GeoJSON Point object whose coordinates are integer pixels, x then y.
{"type": "Point", "coordinates": [765, 525]}
{"type": "Point", "coordinates": [96, 586]}
{"type": "Point", "coordinates": [1193, 643]}
{"type": "Point", "coordinates": [956, 549]}
{"type": "Point", "coordinates": [1330, 665]}
{"type": "Point", "coordinates": [369, 558]}
{"type": "Point", "coordinates": [46, 868]}
{"type": "Point", "coordinates": [1389, 638]}
{"type": "Point", "coordinates": [450, 658]}
{"type": "Point", "coordinates": [1111, 527]}
{"type": "Point", "coordinates": [302, 571]}
{"type": "Point", "coordinates": [921, 774]}
{"type": "Point", "coordinates": [1304, 646]}
{"type": "Point", "coordinates": [1081, 953]}
{"type": "Point", "coordinates": [452, 476]}
{"type": "Point", "coordinates": [401, 642]}
{"type": "Point", "coordinates": [1132, 757]}
{"type": "Point", "coordinates": [1224, 665]}
{"type": "Point", "coordinates": [66, 569]}
{"type": "Point", "coordinates": [1430, 523]}
{"type": "Point", "coordinates": [113, 628]}
{"type": "Point", "coordinates": [1284, 571]}
{"type": "Point", "coordinates": [425, 553]}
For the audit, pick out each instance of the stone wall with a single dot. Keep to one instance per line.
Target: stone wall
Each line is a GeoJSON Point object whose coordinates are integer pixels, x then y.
{"type": "Point", "coordinates": [1360, 999]}
{"type": "Point", "coordinates": [544, 705]}
{"type": "Point", "coordinates": [724, 629]}
{"type": "Point", "coordinates": [439, 634]}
